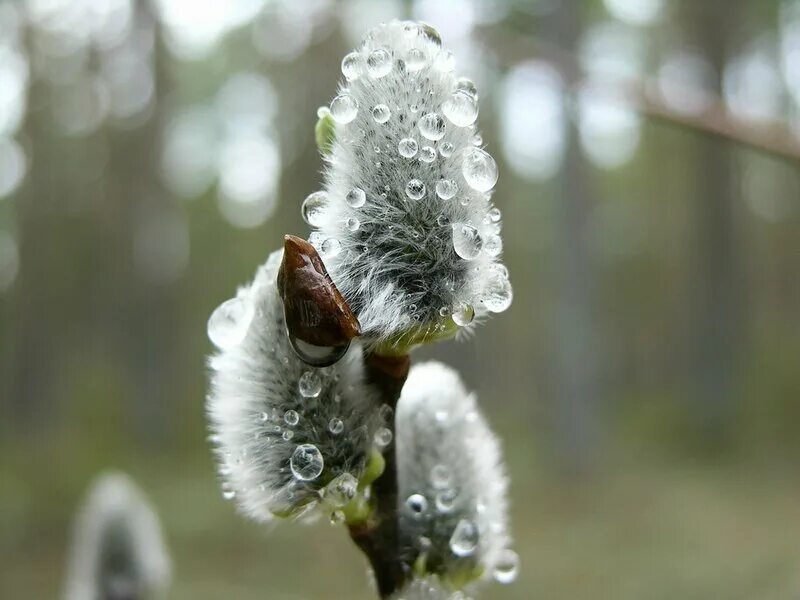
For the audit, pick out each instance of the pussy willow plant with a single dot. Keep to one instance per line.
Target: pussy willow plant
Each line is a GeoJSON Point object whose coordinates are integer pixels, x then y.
{"type": "Point", "coordinates": [313, 407]}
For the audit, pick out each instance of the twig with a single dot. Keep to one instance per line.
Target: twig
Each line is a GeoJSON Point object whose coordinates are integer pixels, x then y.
{"type": "Point", "coordinates": [773, 138]}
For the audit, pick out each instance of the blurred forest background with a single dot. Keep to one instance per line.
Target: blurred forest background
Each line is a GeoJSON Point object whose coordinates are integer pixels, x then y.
{"type": "Point", "coordinates": [646, 380]}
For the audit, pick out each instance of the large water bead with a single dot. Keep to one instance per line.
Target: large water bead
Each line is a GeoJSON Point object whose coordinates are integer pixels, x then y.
{"type": "Point", "coordinates": [314, 207]}
{"type": "Point", "coordinates": [461, 109]}
{"type": "Point", "coordinates": [379, 63]}
{"type": "Point", "coordinates": [344, 108]}
{"type": "Point", "coordinates": [432, 126]}
{"type": "Point", "coordinates": [479, 170]}
{"type": "Point", "coordinates": [306, 462]}
{"type": "Point", "coordinates": [229, 323]}
{"type": "Point", "coordinates": [467, 241]}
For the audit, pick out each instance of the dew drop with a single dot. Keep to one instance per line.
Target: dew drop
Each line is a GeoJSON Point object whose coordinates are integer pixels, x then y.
{"type": "Point", "coordinates": [493, 245]}
{"type": "Point", "coordinates": [431, 126]}
{"type": "Point", "coordinates": [461, 109]}
{"type": "Point", "coordinates": [445, 501]}
{"type": "Point", "coordinates": [415, 60]}
{"type": "Point", "coordinates": [331, 247]}
{"type": "Point", "coordinates": [417, 504]}
{"type": "Point", "coordinates": [386, 412]}
{"type": "Point", "coordinates": [306, 462]}
{"type": "Point", "coordinates": [228, 324]}
{"type": "Point", "coordinates": [310, 384]}
{"type": "Point", "coordinates": [464, 539]}
{"type": "Point", "coordinates": [479, 169]}
{"type": "Point", "coordinates": [446, 149]}
{"type": "Point", "coordinates": [344, 108]}
{"type": "Point", "coordinates": [427, 154]}
{"type": "Point", "coordinates": [264, 417]}
{"type": "Point", "coordinates": [323, 111]}
{"type": "Point", "coordinates": [463, 84]}
{"type": "Point", "coordinates": [445, 61]}
{"type": "Point", "coordinates": [341, 490]}
{"type": "Point", "coordinates": [407, 147]}
{"type": "Point", "coordinates": [494, 215]}
{"type": "Point", "coordinates": [317, 356]}
{"type": "Point", "coordinates": [497, 294]}
{"type": "Point", "coordinates": [476, 140]}
{"type": "Point", "coordinates": [352, 224]}
{"type": "Point", "coordinates": [507, 567]}
{"type": "Point", "coordinates": [291, 417]}
{"type": "Point", "coordinates": [440, 476]}
{"type": "Point", "coordinates": [383, 437]}
{"type": "Point", "coordinates": [288, 435]}
{"type": "Point", "coordinates": [352, 66]}
{"type": "Point", "coordinates": [442, 220]}
{"type": "Point", "coordinates": [444, 311]}
{"type": "Point", "coordinates": [314, 208]}
{"type": "Point", "coordinates": [415, 189]}
{"type": "Point", "coordinates": [228, 493]}
{"type": "Point", "coordinates": [356, 197]}
{"type": "Point", "coordinates": [379, 63]}
{"type": "Point", "coordinates": [446, 188]}
{"type": "Point", "coordinates": [335, 426]}
{"type": "Point", "coordinates": [467, 241]}
{"type": "Point", "coordinates": [463, 314]}
{"type": "Point", "coordinates": [337, 517]}
{"type": "Point", "coordinates": [381, 113]}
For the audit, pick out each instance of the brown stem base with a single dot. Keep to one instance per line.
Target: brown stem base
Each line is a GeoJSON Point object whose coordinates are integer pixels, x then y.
{"type": "Point", "coordinates": [378, 537]}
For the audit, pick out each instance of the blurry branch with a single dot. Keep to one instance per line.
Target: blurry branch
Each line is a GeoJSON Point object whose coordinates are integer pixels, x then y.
{"type": "Point", "coordinates": [772, 138]}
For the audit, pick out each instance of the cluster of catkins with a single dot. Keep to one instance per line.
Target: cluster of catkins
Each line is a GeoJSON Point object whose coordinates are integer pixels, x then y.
{"type": "Point", "coordinates": [408, 234]}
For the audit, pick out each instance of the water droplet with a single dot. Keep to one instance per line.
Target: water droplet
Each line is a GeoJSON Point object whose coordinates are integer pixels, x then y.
{"type": "Point", "coordinates": [314, 208]}
{"type": "Point", "coordinates": [461, 109]}
{"type": "Point", "coordinates": [379, 63]}
{"type": "Point", "coordinates": [477, 140]}
{"type": "Point", "coordinates": [381, 113]}
{"type": "Point", "coordinates": [331, 247]}
{"type": "Point", "coordinates": [507, 566]}
{"type": "Point", "coordinates": [335, 426]}
{"type": "Point", "coordinates": [337, 517]}
{"type": "Point", "coordinates": [429, 31]}
{"type": "Point", "coordinates": [446, 188]}
{"type": "Point", "coordinates": [493, 245]}
{"type": "Point", "coordinates": [427, 154]}
{"type": "Point", "coordinates": [352, 224]}
{"type": "Point", "coordinates": [310, 384]}
{"type": "Point", "coordinates": [494, 215]}
{"type": "Point", "coordinates": [407, 147]}
{"type": "Point", "coordinates": [464, 200]}
{"type": "Point", "coordinates": [306, 462]}
{"type": "Point", "coordinates": [464, 539]}
{"type": "Point", "coordinates": [341, 490]}
{"type": "Point", "coordinates": [228, 493]}
{"type": "Point", "coordinates": [444, 311]}
{"type": "Point", "coordinates": [352, 66]}
{"type": "Point", "coordinates": [323, 111]}
{"type": "Point", "coordinates": [317, 356]}
{"type": "Point", "coordinates": [446, 149]}
{"type": "Point", "coordinates": [479, 169]}
{"type": "Point", "coordinates": [383, 437]}
{"type": "Point", "coordinates": [415, 60]}
{"type": "Point", "coordinates": [463, 84]}
{"type": "Point", "coordinates": [440, 476]}
{"type": "Point", "coordinates": [463, 314]}
{"type": "Point", "coordinates": [415, 189]}
{"type": "Point", "coordinates": [442, 220]}
{"type": "Point", "coordinates": [356, 197]}
{"type": "Point", "coordinates": [228, 324]}
{"type": "Point", "coordinates": [497, 294]}
{"type": "Point", "coordinates": [264, 417]}
{"type": "Point", "coordinates": [445, 501]}
{"type": "Point", "coordinates": [467, 241]}
{"type": "Point", "coordinates": [288, 435]}
{"type": "Point", "coordinates": [417, 504]}
{"type": "Point", "coordinates": [385, 410]}
{"type": "Point", "coordinates": [431, 126]}
{"type": "Point", "coordinates": [344, 108]}
{"type": "Point", "coordinates": [291, 417]}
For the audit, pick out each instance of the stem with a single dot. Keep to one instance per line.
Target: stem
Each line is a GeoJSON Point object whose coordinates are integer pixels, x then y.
{"type": "Point", "coordinates": [378, 537]}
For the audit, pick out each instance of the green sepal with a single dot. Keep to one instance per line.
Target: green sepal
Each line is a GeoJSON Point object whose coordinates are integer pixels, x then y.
{"type": "Point", "coordinates": [325, 133]}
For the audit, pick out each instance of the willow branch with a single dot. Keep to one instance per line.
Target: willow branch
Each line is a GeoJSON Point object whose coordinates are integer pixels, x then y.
{"type": "Point", "coordinates": [773, 138]}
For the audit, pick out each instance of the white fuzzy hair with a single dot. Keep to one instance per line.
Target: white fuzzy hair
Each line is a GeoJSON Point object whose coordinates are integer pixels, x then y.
{"type": "Point", "coordinates": [399, 268]}
{"type": "Point", "coordinates": [439, 427]}
{"type": "Point", "coordinates": [117, 545]}
{"type": "Point", "coordinates": [427, 588]}
{"type": "Point", "coordinates": [255, 383]}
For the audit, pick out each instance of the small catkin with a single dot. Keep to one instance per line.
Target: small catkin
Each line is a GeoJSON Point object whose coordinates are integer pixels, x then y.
{"type": "Point", "coordinates": [118, 550]}
{"type": "Point", "coordinates": [288, 437]}
{"type": "Point", "coordinates": [451, 481]}
{"type": "Point", "coordinates": [405, 223]}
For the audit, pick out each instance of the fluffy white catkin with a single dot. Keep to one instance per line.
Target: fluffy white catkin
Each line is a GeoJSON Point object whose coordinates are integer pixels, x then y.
{"type": "Point", "coordinates": [427, 588]}
{"type": "Point", "coordinates": [117, 549]}
{"type": "Point", "coordinates": [451, 481]}
{"type": "Point", "coordinates": [405, 223]}
{"type": "Point", "coordinates": [282, 430]}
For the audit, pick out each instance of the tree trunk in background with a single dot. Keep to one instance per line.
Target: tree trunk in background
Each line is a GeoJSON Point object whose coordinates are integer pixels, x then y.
{"type": "Point", "coordinates": [716, 324]}
{"type": "Point", "coordinates": [576, 361]}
